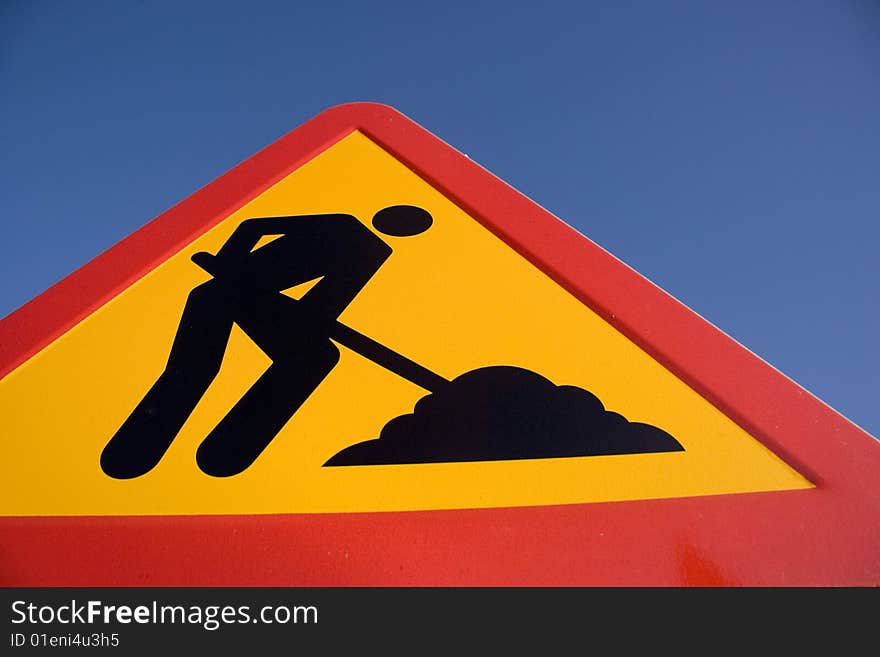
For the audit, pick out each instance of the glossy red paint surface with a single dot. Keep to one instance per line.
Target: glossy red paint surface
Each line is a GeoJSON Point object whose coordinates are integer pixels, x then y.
{"type": "Point", "coordinates": [829, 535]}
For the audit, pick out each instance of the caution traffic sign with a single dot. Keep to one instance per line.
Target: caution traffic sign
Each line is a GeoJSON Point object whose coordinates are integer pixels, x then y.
{"type": "Point", "coordinates": [359, 358]}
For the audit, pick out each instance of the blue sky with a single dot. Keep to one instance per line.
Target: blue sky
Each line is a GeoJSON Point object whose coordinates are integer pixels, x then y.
{"type": "Point", "coordinates": [727, 151]}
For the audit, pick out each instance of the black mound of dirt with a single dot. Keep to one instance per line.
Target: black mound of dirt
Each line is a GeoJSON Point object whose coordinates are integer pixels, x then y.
{"type": "Point", "coordinates": [503, 413]}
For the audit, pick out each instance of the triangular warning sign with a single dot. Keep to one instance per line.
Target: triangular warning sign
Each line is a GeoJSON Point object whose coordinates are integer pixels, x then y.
{"type": "Point", "coordinates": [361, 320]}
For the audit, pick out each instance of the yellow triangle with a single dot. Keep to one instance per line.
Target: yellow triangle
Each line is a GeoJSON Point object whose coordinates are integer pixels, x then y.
{"type": "Point", "coordinates": [454, 299]}
{"type": "Point", "coordinates": [298, 291]}
{"type": "Point", "coordinates": [264, 240]}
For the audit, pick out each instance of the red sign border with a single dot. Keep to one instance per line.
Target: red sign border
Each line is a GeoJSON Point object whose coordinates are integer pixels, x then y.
{"type": "Point", "coordinates": [827, 536]}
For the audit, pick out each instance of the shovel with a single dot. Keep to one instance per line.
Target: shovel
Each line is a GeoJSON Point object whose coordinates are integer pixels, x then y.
{"type": "Point", "coordinates": [361, 344]}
